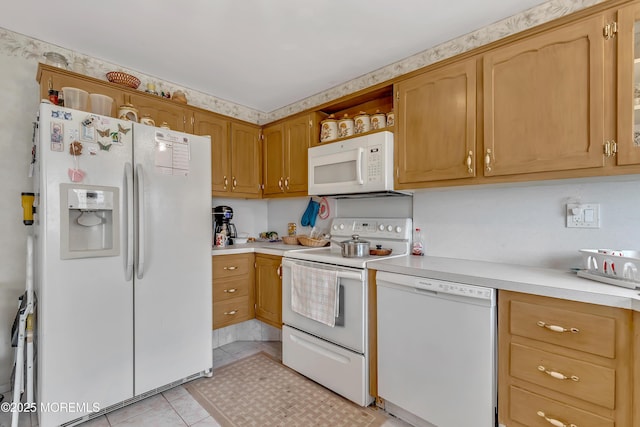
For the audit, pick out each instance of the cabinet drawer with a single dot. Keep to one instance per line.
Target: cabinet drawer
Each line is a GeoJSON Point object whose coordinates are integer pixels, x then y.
{"type": "Point", "coordinates": [232, 265]}
{"type": "Point", "coordinates": [584, 332]}
{"type": "Point", "coordinates": [527, 409]}
{"type": "Point", "coordinates": [585, 381]}
{"type": "Point", "coordinates": [227, 289]}
{"type": "Point", "coordinates": [235, 310]}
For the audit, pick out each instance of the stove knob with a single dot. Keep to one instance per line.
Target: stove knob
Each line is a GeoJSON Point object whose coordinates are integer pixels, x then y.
{"type": "Point", "coordinates": [341, 226]}
{"type": "Point", "coordinates": [335, 227]}
{"type": "Point", "coordinates": [398, 229]}
{"type": "Point", "coordinates": [389, 228]}
{"type": "Point", "coordinates": [381, 227]}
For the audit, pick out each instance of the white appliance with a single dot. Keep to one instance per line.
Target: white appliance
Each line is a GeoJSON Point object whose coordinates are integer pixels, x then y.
{"type": "Point", "coordinates": [338, 357]}
{"type": "Point", "coordinates": [437, 351]}
{"type": "Point", "coordinates": [359, 165]}
{"type": "Point", "coordinates": [123, 262]}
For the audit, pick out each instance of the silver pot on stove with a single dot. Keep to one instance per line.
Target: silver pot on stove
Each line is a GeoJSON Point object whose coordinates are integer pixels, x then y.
{"type": "Point", "coordinates": [353, 248]}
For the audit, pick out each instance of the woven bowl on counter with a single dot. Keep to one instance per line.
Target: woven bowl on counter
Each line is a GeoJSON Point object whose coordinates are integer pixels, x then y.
{"type": "Point", "coordinates": [290, 240]}
{"type": "Point", "coordinates": [123, 79]}
{"type": "Point", "coordinates": [308, 241]}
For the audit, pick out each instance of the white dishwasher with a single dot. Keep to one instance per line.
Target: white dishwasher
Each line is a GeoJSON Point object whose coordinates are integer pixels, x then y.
{"type": "Point", "coordinates": [437, 351]}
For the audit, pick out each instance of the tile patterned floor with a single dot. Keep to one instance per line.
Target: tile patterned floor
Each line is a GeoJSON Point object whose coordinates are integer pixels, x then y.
{"type": "Point", "coordinates": [176, 407]}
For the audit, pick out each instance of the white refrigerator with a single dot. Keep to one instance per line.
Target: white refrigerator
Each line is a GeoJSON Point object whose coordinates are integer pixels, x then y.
{"type": "Point", "coordinates": [123, 262]}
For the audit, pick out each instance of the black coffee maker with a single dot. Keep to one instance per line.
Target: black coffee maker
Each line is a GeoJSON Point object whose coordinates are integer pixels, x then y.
{"type": "Point", "coordinates": [222, 216]}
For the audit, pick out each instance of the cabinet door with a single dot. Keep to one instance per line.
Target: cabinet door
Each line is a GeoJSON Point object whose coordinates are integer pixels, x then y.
{"type": "Point", "coordinates": [436, 128]}
{"type": "Point", "coordinates": [628, 134]}
{"type": "Point", "coordinates": [269, 290]}
{"type": "Point", "coordinates": [246, 171]}
{"type": "Point", "coordinates": [218, 129]}
{"type": "Point", "coordinates": [544, 102]}
{"type": "Point", "coordinates": [161, 111]}
{"type": "Point", "coordinates": [297, 140]}
{"type": "Point", "coordinates": [273, 151]}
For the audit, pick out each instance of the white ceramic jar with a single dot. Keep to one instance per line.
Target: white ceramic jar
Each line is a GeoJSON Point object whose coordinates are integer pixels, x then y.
{"type": "Point", "coordinates": [345, 126]}
{"type": "Point", "coordinates": [362, 123]}
{"type": "Point", "coordinates": [128, 112]}
{"type": "Point", "coordinates": [378, 120]}
{"type": "Point", "coordinates": [391, 118]}
{"type": "Point", "coordinates": [328, 129]}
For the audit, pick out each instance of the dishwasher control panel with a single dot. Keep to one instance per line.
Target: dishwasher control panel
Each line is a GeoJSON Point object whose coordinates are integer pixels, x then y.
{"type": "Point", "coordinates": [454, 288]}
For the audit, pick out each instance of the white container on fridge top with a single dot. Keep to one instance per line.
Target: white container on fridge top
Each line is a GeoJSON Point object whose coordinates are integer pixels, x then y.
{"type": "Point", "coordinates": [123, 276]}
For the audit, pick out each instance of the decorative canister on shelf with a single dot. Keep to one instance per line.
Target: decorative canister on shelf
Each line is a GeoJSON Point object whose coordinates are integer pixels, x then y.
{"type": "Point", "coordinates": [362, 123]}
{"type": "Point", "coordinates": [147, 120]}
{"type": "Point", "coordinates": [345, 126]}
{"type": "Point", "coordinates": [378, 120]}
{"type": "Point", "coordinates": [328, 129]}
{"type": "Point", "coordinates": [391, 118]}
{"type": "Point", "coordinates": [128, 112]}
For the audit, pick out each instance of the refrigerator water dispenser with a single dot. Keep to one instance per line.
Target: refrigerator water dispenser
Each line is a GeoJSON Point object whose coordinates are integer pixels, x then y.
{"type": "Point", "coordinates": [89, 221]}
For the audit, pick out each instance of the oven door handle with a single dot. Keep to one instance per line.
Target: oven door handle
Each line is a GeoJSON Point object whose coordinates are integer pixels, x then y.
{"type": "Point", "coordinates": [342, 274]}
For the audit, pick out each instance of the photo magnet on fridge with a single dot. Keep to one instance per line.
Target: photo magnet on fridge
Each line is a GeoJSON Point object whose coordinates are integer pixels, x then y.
{"type": "Point", "coordinates": [57, 136]}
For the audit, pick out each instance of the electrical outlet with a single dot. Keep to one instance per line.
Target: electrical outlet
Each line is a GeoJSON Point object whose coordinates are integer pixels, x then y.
{"type": "Point", "coordinates": [583, 215]}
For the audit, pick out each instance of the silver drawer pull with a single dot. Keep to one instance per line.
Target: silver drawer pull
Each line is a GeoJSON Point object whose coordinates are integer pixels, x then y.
{"type": "Point", "coordinates": [557, 375]}
{"type": "Point", "coordinates": [556, 328]}
{"type": "Point", "coordinates": [231, 267]}
{"type": "Point", "coordinates": [230, 313]}
{"type": "Point", "coordinates": [555, 422]}
{"type": "Point", "coordinates": [232, 290]}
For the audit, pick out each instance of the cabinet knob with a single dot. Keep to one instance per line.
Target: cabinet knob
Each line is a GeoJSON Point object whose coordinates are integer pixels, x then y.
{"type": "Point", "coordinates": [230, 291]}
{"type": "Point", "coordinates": [230, 267]}
{"type": "Point", "coordinates": [470, 162]}
{"type": "Point", "coordinates": [279, 271]}
{"type": "Point", "coordinates": [226, 182]}
{"type": "Point", "coordinates": [234, 182]}
{"type": "Point", "coordinates": [280, 184]}
{"type": "Point", "coordinates": [556, 423]}
{"type": "Point", "coordinates": [230, 313]}
{"type": "Point", "coordinates": [286, 183]}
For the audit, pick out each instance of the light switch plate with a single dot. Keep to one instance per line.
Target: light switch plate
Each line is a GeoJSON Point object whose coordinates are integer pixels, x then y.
{"type": "Point", "coordinates": [583, 215]}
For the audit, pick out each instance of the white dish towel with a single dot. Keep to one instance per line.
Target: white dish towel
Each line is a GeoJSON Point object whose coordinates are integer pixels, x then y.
{"type": "Point", "coordinates": [314, 293]}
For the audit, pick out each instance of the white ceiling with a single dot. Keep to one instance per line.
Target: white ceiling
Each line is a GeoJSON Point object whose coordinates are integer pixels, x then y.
{"type": "Point", "coordinates": [263, 54]}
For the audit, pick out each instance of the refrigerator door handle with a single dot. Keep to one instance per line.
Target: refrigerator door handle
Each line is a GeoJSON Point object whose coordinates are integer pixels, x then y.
{"type": "Point", "coordinates": [128, 224]}
{"type": "Point", "coordinates": [141, 222]}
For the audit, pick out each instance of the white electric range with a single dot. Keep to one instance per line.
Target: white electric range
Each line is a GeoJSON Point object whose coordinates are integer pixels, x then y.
{"type": "Point", "coordinates": [337, 357]}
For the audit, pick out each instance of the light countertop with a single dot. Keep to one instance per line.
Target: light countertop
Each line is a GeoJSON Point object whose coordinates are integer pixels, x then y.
{"type": "Point", "coordinates": [519, 278]}
{"type": "Point", "coordinates": [275, 248]}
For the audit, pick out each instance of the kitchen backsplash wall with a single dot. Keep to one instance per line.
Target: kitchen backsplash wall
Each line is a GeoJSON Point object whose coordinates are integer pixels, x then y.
{"type": "Point", "coordinates": [525, 223]}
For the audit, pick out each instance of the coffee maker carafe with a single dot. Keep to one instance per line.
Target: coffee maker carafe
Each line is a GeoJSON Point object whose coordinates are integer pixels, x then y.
{"type": "Point", "coordinates": [222, 216]}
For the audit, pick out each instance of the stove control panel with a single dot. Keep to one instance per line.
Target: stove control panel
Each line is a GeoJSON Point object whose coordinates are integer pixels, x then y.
{"type": "Point", "coordinates": [387, 228]}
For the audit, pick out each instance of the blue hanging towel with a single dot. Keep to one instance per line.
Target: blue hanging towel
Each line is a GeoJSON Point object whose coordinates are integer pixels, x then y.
{"type": "Point", "coordinates": [310, 214]}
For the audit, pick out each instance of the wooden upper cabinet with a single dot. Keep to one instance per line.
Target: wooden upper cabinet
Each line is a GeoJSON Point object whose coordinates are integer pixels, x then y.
{"type": "Point", "coordinates": [297, 139]}
{"type": "Point", "coordinates": [628, 132]}
{"type": "Point", "coordinates": [285, 156]}
{"type": "Point", "coordinates": [544, 101]}
{"type": "Point", "coordinates": [161, 111]}
{"type": "Point", "coordinates": [218, 129]}
{"type": "Point", "coordinates": [246, 167]}
{"type": "Point", "coordinates": [273, 159]}
{"type": "Point", "coordinates": [436, 125]}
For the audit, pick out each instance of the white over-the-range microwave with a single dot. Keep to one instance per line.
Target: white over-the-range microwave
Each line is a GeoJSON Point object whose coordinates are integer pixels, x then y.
{"type": "Point", "coordinates": [359, 165]}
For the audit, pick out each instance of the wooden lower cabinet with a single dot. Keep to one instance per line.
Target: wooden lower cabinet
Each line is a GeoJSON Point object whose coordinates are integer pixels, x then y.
{"type": "Point", "coordinates": [563, 363]}
{"type": "Point", "coordinates": [233, 289]}
{"type": "Point", "coordinates": [269, 289]}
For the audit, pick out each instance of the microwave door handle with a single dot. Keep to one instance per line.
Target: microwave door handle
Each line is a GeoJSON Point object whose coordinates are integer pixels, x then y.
{"type": "Point", "coordinates": [359, 165]}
